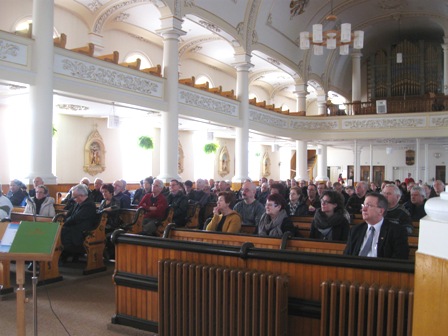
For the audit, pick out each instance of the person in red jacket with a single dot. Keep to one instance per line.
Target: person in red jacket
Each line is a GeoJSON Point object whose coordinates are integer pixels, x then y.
{"type": "Point", "coordinates": [155, 205]}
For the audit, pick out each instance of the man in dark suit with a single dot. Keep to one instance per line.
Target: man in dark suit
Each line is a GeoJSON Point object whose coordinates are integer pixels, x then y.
{"type": "Point", "coordinates": [377, 237]}
{"type": "Point", "coordinates": [82, 217]}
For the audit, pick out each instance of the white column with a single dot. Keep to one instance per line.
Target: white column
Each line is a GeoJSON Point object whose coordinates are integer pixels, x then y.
{"type": "Point", "coordinates": [169, 132]}
{"type": "Point", "coordinates": [301, 161]}
{"type": "Point", "coordinates": [445, 65]}
{"type": "Point", "coordinates": [356, 81]}
{"type": "Point", "coordinates": [301, 98]}
{"type": "Point", "coordinates": [417, 160]}
{"type": "Point", "coordinates": [322, 105]}
{"type": "Point", "coordinates": [357, 156]}
{"type": "Point", "coordinates": [41, 93]}
{"type": "Point", "coordinates": [371, 163]}
{"type": "Point", "coordinates": [242, 66]}
{"type": "Point", "coordinates": [321, 163]}
{"type": "Point", "coordinates": [426, 174]}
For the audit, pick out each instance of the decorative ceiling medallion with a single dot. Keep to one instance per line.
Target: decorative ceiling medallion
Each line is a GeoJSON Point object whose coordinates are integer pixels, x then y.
{"type": "Point", "coordinates": [297, 7]}
{"type": "Point", "coordinates": [72, 107]}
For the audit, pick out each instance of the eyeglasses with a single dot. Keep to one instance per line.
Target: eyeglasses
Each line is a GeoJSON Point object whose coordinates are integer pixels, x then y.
{"type": "Point", "coordinates": [271, 204]}
{"type": "Point", "coordinates": [368, 206]}
{"type": "Point", "coordinates": [325, 202]}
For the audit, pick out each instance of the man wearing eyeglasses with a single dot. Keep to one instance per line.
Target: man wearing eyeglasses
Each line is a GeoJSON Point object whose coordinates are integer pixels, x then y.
{"type": "Point", "coordinates": [377, 237]}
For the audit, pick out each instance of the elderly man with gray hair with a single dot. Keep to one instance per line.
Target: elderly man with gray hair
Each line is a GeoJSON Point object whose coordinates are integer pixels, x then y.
{"type": "Point", "coordinates": [355, 201]}
{"type": "Point", "coordinates": [396, 212]}
{"type": "Point", "coordinates": [416, 205]}
{"type": "Point", "coordinates": [155, 205]}
{"type": "Point", "coordinates": [80, 218]}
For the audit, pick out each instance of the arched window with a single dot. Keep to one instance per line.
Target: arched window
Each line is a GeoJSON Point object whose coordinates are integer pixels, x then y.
{"type": "Point", "coordinates": [145, 62]}
{"type": "Point", "coordinates": [252, 96]}
{"type": "Point", "coordinates": [201, 79]}
{"type": "Point", "coordinates": [24, 24]}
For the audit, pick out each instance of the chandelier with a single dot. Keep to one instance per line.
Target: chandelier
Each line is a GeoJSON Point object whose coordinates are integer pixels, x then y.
{"type": "Point", "coordinates": [332, 38]}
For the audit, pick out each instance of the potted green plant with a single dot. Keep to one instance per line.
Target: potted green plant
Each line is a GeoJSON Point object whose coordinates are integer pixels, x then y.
{"type": "Point", "coordinates": [210, 148]}
{"type": "Point", "coordinates": [145, 142]}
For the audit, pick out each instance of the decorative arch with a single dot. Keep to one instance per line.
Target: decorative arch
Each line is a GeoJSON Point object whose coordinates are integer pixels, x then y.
{"type": "Point", "coordinates": [94, 154]}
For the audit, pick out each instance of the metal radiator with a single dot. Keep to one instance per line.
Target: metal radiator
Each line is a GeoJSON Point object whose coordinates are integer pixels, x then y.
{"type": "Point", "coordinates": [213, 300]}
{"type": "Point", "coordinates": [352, 309]}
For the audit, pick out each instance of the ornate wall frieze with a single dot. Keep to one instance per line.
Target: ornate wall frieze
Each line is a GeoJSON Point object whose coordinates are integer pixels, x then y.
{"type": "Point", "coordinates": [314, 124]}
{"type": "Point", "coordinates": [101, 75]}
{"type": "Point", "coordinates": [207, 103]}
{"type": "Point", "coordinates": [439, 121]}
{"type": "Point", "coordinates": [270, 120]}
{"type": "Point", "coordinates": [13, 52]}
{"type": "Point", "coordinates": [405, 122]}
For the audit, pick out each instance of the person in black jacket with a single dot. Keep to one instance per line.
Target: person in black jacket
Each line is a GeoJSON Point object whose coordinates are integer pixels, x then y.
{"type": "Point", "coordinates": [389, 240]}
{"type": "Point", "coordinates": [331, 221]}
{"type": "Point", "coordinates": [81, 218]}
{"type": "Point", "coordinates": [16, 195]}
{"type": "Point", "coordinates": [179, 202]}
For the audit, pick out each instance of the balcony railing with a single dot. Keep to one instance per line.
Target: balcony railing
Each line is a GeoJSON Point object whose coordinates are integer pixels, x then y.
{"type": "Point", "coordinates": [393, 105]}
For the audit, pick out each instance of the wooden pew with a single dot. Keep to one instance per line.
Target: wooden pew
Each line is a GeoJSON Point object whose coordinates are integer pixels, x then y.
{"type": "Point", "coordinates": [88, 50]}
{"type": "Point", "coordinates": [93, 245]}
{"type": "Point", "coordinates": [112, 58]}
{"type": "Point", "coordinates": [132, 65]}
{"type": "Point", "coordinates": [27, 32]}
{"type": "Point", "coordinates": [18, 209]}
{"type": "Point", "coordinates": [60, 41]}
{"type": "Point", "coordinates": [228, 94]}
{"type": "Point", "coordinates": [203, 86]}
{"type": "Point", "coordinates": [137, 274]}
{"type": "Point", "coordinates": [132, 219]}
{"type": "Point", "coordinates": [217, 89]}
{"type": "Point", "coordinates": [193, 216]}
{"type": "Point", "coordinates": [155, 71]}
{"type": "Point", "coordinates": [60, 196]}
{"type": "Point", "coordinates": [48, 271]}
{"type": "Point", "coordinates": [261, 104]}
{"type": "Point", "coordinates": [168, 219]}
{"type": "Point", "coordinates": [303, 225]}
{"type": "Point", "coordinates": [187, 81]}
{"type": "Point", "coordinates": [253, 101]}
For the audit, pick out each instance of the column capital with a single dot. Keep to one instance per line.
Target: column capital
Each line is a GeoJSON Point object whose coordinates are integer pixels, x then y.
{"type": "Point", "coordinates": [242, 62]}
{"type": "Point", "coordinates": [171, 28]}
{"type": "Point", "coordinates": [356, 54]}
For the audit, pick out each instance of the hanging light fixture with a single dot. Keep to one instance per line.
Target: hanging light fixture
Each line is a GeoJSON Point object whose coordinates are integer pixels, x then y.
{"type": "Point", "coordinates": [332, 38]}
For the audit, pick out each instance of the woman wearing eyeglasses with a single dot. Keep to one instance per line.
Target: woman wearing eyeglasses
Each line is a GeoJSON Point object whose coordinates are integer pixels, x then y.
{"type": "Point", "coordinates": [275, 221]}
{"type": "Point", "coordinates": [41, 204]}
{"type": "Point", "coordinates": [331, 221]}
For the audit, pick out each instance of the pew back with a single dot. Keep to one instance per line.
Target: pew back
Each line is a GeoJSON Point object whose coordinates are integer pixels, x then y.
{"type": "Point", "coordinates": [137, 277]}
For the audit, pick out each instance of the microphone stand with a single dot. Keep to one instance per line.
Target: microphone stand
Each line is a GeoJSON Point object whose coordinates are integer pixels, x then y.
{"type": "Point", "coordinates": [34, 278]}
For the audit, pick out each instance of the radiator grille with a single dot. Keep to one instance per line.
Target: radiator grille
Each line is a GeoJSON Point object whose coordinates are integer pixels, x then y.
{"type": "Point", "coordinates": [212, 300]}
{"type": "Point", "coordinates": [352, 309]}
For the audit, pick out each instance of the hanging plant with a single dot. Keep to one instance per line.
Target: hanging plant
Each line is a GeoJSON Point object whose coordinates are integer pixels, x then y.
{"type": "Point", "coordinates": [210, 148]}
{"type": "Point", "coordinates": [145, 142]}
{"type": "Point", "coordinates": [54, 130]}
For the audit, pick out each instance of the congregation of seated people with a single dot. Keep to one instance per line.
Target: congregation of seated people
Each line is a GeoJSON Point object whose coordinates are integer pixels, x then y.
{"type": "Point", "coordinates": [269, 207]}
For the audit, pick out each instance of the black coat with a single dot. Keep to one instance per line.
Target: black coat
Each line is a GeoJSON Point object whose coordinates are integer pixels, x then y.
{"type": "Point", "coordinates": [80, 219]}
{"type": "Point", "coordinates": [392, 241]}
